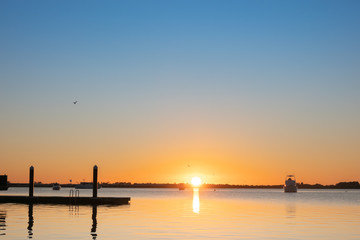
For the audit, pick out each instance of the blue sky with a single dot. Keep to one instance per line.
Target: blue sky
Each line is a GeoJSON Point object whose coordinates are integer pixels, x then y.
{"type": "Point", "coordinates": [237, 68]}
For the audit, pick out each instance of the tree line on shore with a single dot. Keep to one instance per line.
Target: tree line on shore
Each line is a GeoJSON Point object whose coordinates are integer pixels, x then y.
{"type": "Point", "coordinates": [340, 185]}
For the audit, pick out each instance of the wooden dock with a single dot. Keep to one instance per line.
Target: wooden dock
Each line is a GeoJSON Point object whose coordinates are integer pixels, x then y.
{"type": "Point", "coordinates": [65, 200]}
{"type": "Point", "coordinates": [72, 199]}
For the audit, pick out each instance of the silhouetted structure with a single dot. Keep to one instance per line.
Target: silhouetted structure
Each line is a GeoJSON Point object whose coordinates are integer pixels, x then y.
{"type": "Point", "coordinates": [31, 182]}
{"type": "Point", "coordinates": [95, 181]}
{"type": "Point", "coordinates": [3, 182]}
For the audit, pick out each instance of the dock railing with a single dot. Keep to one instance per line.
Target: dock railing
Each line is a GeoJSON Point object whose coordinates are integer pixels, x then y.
{"type": "Point", "coordinates": [74, 196]}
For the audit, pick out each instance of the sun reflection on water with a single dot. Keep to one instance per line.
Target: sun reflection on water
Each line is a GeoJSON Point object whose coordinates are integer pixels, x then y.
{"type": "Point", "coordinates": [196, 200]}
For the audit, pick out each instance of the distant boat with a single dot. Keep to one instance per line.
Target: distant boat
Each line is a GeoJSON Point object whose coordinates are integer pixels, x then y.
{"type": "Point", "coordinates": [86, 185]}
{"type": "Point", "coordinates": [56, 186]}
{"type": "Point", "coordinates": [290, 184]}
{"type": "Point", "coordinates": [181, 186]}
{"type": "Point", "coordinates": [3, 183]}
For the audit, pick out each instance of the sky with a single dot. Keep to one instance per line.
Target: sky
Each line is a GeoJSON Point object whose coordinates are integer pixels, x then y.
{"type": "Point", "coordinates": [237, 92]}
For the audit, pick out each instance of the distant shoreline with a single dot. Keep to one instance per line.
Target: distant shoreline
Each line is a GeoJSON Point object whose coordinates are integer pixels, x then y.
{"type": "Point", "coordinates": [340, 185]}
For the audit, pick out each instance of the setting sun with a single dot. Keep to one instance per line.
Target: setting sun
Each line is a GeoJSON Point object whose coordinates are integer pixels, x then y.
{"type": "Point", "coordinates": [196, 181]}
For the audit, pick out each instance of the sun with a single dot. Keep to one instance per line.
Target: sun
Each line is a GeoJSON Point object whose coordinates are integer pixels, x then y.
{"type": "Point", "coordinates": [196, 181]}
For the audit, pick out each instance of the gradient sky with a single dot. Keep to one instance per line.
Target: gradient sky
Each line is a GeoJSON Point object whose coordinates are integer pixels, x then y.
{"type": "Point", "coordinates": [239, 92]}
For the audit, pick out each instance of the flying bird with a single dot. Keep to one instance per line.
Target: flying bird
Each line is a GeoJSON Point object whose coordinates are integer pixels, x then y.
{"type": "Point", "coordinates": [75, 102]}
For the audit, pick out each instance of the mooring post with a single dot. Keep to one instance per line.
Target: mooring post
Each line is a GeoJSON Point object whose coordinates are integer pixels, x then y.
{"type": "Point", "coordinates": [95, 181]}
{"type": "Point", "coordinates": [31, 182]}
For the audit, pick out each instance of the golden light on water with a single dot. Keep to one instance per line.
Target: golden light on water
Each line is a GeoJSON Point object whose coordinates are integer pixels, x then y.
{"type": "Point", "coordinates": [196, 201]}
{"type": "Point", "coordinates": [196, 181]}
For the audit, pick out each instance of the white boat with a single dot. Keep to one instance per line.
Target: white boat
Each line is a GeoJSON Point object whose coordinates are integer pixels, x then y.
{"type": "Point", "coordinates": [86, 185]}
{"type": "Point", "coordinates": [290, 184]}
{"type": "Point", "coordinates": [56, 186]}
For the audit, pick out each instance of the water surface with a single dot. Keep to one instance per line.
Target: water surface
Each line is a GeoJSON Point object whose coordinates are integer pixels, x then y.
{"type": "Point", "coordinates": [198, 214]}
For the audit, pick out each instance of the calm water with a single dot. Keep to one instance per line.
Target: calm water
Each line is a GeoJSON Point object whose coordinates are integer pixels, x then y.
{"type": "Point", "coordinates": [204, 214]}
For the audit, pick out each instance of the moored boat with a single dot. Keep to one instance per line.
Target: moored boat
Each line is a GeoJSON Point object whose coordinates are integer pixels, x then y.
{"type": "Point", "coordinates": [56, 186]}
{"type": "Point", "coordinates": [290, 184]}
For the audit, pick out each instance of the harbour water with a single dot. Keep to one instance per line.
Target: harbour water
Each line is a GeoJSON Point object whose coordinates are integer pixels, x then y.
{"type": "Point", "coordinates": [188, 214]}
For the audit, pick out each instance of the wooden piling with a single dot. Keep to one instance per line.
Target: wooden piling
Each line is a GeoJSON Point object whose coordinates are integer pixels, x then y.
{"type": "Point", "coordinates": [95, 181]}
{"type": "Point", "coordinates": [31, 182]}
